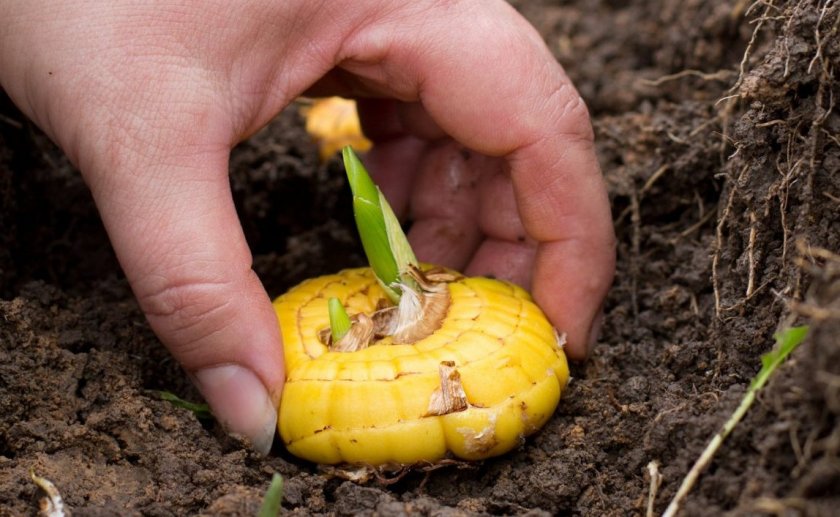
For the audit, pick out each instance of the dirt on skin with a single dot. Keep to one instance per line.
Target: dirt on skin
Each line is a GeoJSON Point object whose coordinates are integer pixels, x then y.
{"type": "Point", "coordinates": [720, 142]}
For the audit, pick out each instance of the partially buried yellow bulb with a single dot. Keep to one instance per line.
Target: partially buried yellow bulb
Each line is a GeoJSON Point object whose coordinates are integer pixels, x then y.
{"type": "Point", "coordinates": [472, 386]}
{"type": "Point", "coordinates": [334, 123]}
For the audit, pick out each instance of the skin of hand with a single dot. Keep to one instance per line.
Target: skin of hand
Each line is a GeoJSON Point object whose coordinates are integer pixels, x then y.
{"type": "Point", "coordinates": [148, 98]}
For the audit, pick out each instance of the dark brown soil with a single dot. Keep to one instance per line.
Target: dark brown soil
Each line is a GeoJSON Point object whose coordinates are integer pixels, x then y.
{"type": "Point", "coordinates": [720, 142]}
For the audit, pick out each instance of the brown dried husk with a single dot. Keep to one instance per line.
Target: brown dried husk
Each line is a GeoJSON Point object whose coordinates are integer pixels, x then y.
{"type": "Point", "coordinates": [420, 313]}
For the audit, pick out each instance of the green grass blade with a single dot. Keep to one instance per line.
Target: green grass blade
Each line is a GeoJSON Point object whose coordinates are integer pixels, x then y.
{"type": "Point", "coordinates": [273, 497]}
{"type": "Point", "coordinates": [339, 320]}
{"type": "Point", "coordinates": [200, 410]}
{"type": "Point", "coordinates": [786, 342]}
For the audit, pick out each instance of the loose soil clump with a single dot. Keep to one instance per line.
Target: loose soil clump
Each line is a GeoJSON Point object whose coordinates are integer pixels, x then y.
{"type": "Point", "coordinates": [718, 135]}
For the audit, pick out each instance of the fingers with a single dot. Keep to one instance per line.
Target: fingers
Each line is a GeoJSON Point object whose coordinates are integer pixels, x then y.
{"type": "Point", "coordinates": [506, 96]}
{"type": "Point", "coordinates": [444, 205]}
{"type": "Point", "coordinates": [512, 261]}
{"type": "Point", "coordinates": [171, 219]}
{"type": "Point", "coordinates": [394, 160]}
{"type": "Point", "coordinates": [569, 215]}
{"type": "Point", "coordinates": [499, 214]}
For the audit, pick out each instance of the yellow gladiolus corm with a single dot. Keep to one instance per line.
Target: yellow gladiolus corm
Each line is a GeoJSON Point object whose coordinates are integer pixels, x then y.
{"type": "Point", "coordinates": [398, 365]}
{"type": "Point", "coordinates": [386, 403]}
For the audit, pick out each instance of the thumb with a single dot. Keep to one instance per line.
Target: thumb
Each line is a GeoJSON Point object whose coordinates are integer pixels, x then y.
{"type": "Point", "coordinates": [171, 219]}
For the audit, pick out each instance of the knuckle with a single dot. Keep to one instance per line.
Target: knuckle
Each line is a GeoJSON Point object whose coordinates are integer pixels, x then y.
{"type": "Point", "coordinates": [188, 311]}
{"type": "Point", "coordinates": [572, 112]}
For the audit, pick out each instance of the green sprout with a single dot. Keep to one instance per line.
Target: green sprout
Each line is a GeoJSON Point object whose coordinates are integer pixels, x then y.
{"type": "Point", "coordinates": [339, 320]}
{"type": "Point", "coordinates": [383, 239]}
{"type": "Point", "coordinates": [273, 497]}
{"type": "Point", "coordinates": [201, 411]}
{"type": "Point", "coordinates": [786, 342]}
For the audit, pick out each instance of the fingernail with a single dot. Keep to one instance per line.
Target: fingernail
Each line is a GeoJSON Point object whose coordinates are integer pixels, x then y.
{"type": "Point", "coordinates": [240, 403]}
{"type": "Point", "coordinates": [595, 331]}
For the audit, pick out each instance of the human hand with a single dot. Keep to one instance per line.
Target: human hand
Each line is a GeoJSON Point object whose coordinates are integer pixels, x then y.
{"type": "Point", "coordinates": [148, 98]}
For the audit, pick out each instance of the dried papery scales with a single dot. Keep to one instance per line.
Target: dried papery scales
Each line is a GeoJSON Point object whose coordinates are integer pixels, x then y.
{"type": "Point", "coordinates": [420, 312]}
{"type": "Point", "coordinates": [372, 406]}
